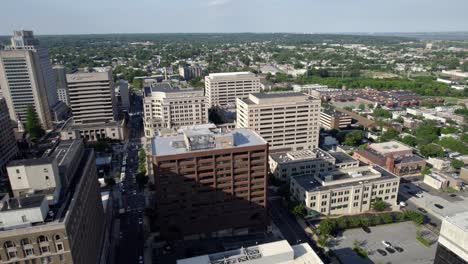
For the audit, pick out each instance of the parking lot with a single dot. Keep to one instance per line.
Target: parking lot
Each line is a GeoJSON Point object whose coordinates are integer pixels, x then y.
{"type": "Point", "coordinates": [399, 235]}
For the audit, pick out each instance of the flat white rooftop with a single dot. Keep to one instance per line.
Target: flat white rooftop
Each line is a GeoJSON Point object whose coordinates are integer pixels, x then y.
{"type": "Point", "coordinates": [202, 138]}
{"type": "Point", "coordinates": [389, 147]}
{"type": "Point", "coordinates": [222, 74]}
{"type": "Point", "coordinates": [279, 252]}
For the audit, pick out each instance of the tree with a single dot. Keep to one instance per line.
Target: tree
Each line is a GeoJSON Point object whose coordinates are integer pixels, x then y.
{"type": "Point", "coordinates": [431, 150]}
{"type": "Point", "coordinates": [341, 223]}
{"type": "Point", "coordinates": [464, 66]}
{"type": "Point", "coordinates": [299, 210]}
{"type": "Point", "coordinates": [457, 164]}
{"type": "Point", "coordinates": [379, 112]}
{"type": "Point", "coordinates": [379, 205]}
{"type": "Point", "coordinates": [362, 106]}
{"type": "Point", "coordinates": [409, 140]}
{"type": "Point", "coordinates": [387, 218]}
{"type": "Point", "coordinates": [388, 135]}
{"type": "Point", "coordinates": [326, 227]}
{"type": "Point", "coordinates": [454, 144]}
{"type": "Point", "coordinates": [353, 138]}
{"type": "Point", "coordinates": [33, 125]}
{"type": "Point", "coordinates": [137, 84]}
{"type": "Point", "coordinates": [425, 170]}
{"type": "Point", "coordinates": [448, 130]}
{"type": "Point", "coordinates": [427, 132]}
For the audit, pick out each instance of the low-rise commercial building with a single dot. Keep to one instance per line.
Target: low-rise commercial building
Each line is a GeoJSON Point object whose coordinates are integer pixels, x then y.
{"type": "Point", "coordinates": [395, 156]}
{"type": "Point", "coordinates": [332, 119]}
{"type": "Point", "coordinates": [210, 181]}
{"type": "Point", "coordinates": [222, 89]}
{"type": "Point", "coordinates": [287, 120]}
{"type": "Point", "coordinates": [285, 165]}
{"type": "Point", "coordinates": [453, 240]}
{"type": "Point", "coordinates": [93, 131]}
{"type": "Point", "coordinates": [71, 231]}
{"type": "Point", "coordinates": [345, 191]}
{"type": "Point", "coordinates": [442, 181]}
{"type": "Point", "coordinates": [168, 107]}
{"type": "Point", "coordinates": [280, 252]}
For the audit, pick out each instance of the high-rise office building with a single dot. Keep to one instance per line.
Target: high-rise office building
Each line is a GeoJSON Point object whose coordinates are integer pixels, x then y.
{"type": "Point", "coordinates": [210, 182]}
{"type": "Point", "coordinates": [8, 147]}
{"type": "Point", "coordinates": [70, 230]}
{"type": "Point", "coordinates": [26, 78]}
{"type": "Point", "coordinates": [167, 107]}
{"type": "Point", "coordinates": [453, 240]}
{"type": "Point", "coordinates": [123, 95]}
{"type": "Point", "coordinates": [287, 120]}
{"type": "Point", "coordinates": [222, 89]}
{"type": "Point", "coordinates": [92, 98]}
{"type": "Point", "coordinates": [62, 86]}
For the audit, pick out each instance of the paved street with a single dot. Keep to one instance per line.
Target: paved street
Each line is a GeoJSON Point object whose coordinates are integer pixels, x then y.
{"type": "Point", "coordinates": [131, 244]}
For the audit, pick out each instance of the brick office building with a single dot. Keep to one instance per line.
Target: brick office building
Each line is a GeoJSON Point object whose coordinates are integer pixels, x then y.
{"type": "Point", "coordinates": [210, 182]}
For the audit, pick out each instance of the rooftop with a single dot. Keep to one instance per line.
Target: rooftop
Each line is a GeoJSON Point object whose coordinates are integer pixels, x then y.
{"type": "Point", "coordinates": [231, 74]}
{"type": "Point", "coordinates": [65, 151]}
{"type": "Point", "coordinates": [343, 178]}
{"type": "Point", "coordinates": [31, 162]}
{"type": "Point", "coordinates": [203, 137]}
{"type": "Point", "coordinates": [277, 97]}
{"type": "Point", "coordinates": [342, 157]}
{"type": "Point", "coordinates": [300, 155]}
{"type": "Point", "coordinates": [279, 252]}
{"type": "Point", "coordinates": [22, 203]}
{"type": "Point", "coordinates": [390, 147]}
{"type": "Point", "coordinates": [332, 112]}
{"type": "Point", "coordinates": [460, 220]}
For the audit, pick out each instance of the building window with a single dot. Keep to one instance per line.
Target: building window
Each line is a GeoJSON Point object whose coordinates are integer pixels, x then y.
{"type": "Point", "coordinates": [355, 204]}
{"type": "Point", "coordinates": [59, 246]}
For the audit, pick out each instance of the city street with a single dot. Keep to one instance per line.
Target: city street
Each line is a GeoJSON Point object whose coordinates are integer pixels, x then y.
{"type": "Point", "coordinates": [131, 244]}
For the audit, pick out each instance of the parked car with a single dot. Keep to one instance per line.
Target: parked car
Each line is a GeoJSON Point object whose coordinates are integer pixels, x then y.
{"type": "Point", "coordinates": [439, 206]}
{"type": "Point", "coordinates": [419, 194]}
{"type": "Point", "coordinates": [386, 243]}
{"type": "Point", "coordinates": [422, 210]}
{"type": "Point", "coordinates": [399, 249]}
{"type": "Point", "coordinates": [382, 252]}
{"type": "Point", "coordinates": [403, 204]}
{"type": "Point", "coordinates": [390, 250]}
{"type": "Point", "coordinates": [366, 229]}
{"type": "Point", "coordinates": [432, 224]}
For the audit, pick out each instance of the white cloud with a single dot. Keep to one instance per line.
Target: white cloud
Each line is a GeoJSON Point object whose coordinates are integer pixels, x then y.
{"type": "Point", "coordinates": [218, 2]}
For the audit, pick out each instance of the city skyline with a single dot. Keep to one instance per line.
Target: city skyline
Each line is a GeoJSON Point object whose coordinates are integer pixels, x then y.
{"type": "Point", "coordinates": [207, 16]}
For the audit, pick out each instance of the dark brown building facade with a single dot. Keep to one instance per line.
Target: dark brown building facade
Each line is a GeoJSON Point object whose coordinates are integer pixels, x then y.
{"type": "Point", "coordinates": [212, 192]}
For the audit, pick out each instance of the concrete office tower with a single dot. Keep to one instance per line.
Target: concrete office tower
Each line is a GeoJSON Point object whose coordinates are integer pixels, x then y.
{"type": "Point", "coordinates": [123, 95]}
{"type": "Point", "coordinates": [210, 182]}
{"type": "Point", "coordinates": [453, 240]}
{"type": "Point", "coordinates": [70, 232]}
{"type": "Point", "coordinates": [26, 79]}
{"type": "Point", "coordinates": [167, 107]}
{"type": "Point", "coordinates": [288, 121]}
{"type": "Point", "coordinates": [222, 89]}
{"type": "Point", "coordinates": [345, 191]}
{"type": "Point", "coordinates": [8, 147]}
{"type": "Point", "coordinates": [92, 98]}
{"type": "Point", "coordinates": [62, 86]}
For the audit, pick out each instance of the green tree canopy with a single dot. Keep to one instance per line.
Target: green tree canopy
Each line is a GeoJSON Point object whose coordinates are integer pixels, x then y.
{"type": "Point", "coordinates": [33, 124]}
{"type": "Point", "coordinates": [457, 164]}
{"type": "Point", "coordinates": [390, 134]}
{"type": "Point", "coordinates": [431, 150]}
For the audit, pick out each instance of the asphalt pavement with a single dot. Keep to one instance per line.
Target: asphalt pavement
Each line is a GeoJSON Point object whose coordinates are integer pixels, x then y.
{"type": "Point", "coordinates": [131, 245]}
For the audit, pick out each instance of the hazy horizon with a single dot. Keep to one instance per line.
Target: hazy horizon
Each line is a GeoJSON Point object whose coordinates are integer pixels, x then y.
{"type": "Point", "coordinates": [55, 17]}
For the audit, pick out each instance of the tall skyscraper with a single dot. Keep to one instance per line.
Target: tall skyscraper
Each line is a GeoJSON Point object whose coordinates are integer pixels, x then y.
{"type": "Point", "coordinates": [92, 98]}
{"type": "Point", "coordinates": [287, 120]}
{"type": "Point", "coordinates": [26, 78]}
{"type": "Point", "coordinates": [8, 147]}
{"type": "Point", "coordinates": [210, 182]}
{"type": "Point", "coordinates": [222, 89]}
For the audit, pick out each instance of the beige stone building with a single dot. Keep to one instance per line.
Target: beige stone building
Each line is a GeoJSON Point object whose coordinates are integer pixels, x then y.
{"type": "Point", "coordinates": [91, 93]}
{"type": "Point", "coordinates": [345, 191]}
{"type": "Point", "coordinates": [168, 107]}
{"type": "Point", "coordinates": [94, 131]}
{"type": "Point", "coordinates": [32, 231]}
{"type": "Point", "coordinates": [222, 89]}
{"type": "Point", "coordinates": [332, 119]}
{"type": "Point", "coordinates": [288, 121]}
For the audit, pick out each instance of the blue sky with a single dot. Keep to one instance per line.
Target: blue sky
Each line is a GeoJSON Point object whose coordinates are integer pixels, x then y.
{"type": "Point", "coordinates": [154, 16]}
